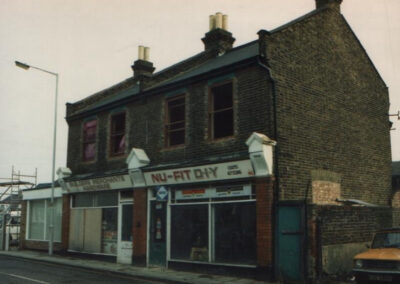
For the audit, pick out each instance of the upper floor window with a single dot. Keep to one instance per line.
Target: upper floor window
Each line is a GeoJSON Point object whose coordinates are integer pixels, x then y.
{"type": "Point", "coordinates": [221, 111]}
{"type": "Point", "coordinates": [89, 140]}
{"type": "Point", "coordinates": [175, 121]}
{"type": "Point", "coordinates": [118, 134]}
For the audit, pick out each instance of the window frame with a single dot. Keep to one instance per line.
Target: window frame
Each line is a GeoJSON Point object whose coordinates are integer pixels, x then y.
{"type": "Point", "coordinates": [212, 112]}
{"type": "Point", "coordinates": [113, 134]}
{"type": "Point", "coordinates": [167, 123]}
{"type": "Point", "coordinates": [45, 221]}
{"type": "Point", "coordinates": [89, 141]}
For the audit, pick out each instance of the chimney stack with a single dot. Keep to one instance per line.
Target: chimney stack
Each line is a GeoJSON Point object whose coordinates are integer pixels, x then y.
{"type": "Point", "coordinates": [332, 4]}
{"type": "Point", "coordinates": [143, 67]}
{"type": "Point", "coordinates": [218, 39]}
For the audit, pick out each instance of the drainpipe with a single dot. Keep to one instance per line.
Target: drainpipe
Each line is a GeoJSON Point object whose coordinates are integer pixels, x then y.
{"type": "Point", "coordinates": [263, 56]}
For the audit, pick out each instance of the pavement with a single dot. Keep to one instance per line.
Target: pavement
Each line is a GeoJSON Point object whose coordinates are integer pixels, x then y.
{"type": "Point", "coordinates": [148, 273]}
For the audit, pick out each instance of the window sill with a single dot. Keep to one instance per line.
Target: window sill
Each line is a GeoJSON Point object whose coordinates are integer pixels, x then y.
{"type": "Point", "coordinates": [172, 148]}
{"type": "Point", "coordinates": [222, 140]}
{"type": "Point", "coordinates": [117, 156]}
{"type": "Point", "coordinates": [89, 162]}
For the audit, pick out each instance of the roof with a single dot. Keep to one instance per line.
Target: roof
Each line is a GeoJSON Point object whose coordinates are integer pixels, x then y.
{"type": "Point", "coordinates": [396, 168]}
{"type": "Point", "coordinates": [18, 182]}
{"type": "Point", "coordinates": [233, 56]}
{"type": "Point", "coordinates": [44, 185]}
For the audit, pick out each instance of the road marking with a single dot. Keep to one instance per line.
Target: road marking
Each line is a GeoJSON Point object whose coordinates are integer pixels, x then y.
{"type": "Point", "coordinates": [25, 278]}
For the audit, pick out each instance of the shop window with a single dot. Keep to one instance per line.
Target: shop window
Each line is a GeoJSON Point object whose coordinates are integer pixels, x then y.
{"type": "Point", "coordinates": [189, 232]}
{"type": "Point", "coordinates": [89, 140]}
{"type": "Point", "coordinates": [221, 111]}
{"type": "Point", "coordinates": [39, 218]}
{"type": "Point", "coordinates": [95, 199]}
{"type": "Point", "coordinates": [235, 233]}
{"type": "Point", "coordinates": [175, 121]}
{"type": "Point", "coordinates": [109, 229]}
{"type": "Point", "coordinates": [118, 134]}
{"type": "Point", "coordinates": [232, 237]}
{"type": "Point", "coordinates": [104, 199]}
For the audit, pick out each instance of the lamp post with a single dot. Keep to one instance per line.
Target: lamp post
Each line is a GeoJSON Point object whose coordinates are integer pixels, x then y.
{"type": "Point", "coordinates": [52, 215]}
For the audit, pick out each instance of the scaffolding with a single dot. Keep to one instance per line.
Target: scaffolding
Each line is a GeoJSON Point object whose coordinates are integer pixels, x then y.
{"type": "Point", "coordinates": [11, 202]}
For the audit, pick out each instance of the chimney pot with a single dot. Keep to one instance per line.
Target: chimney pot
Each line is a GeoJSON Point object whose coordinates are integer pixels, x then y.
{"type": "Point", "coordinates": [146, 54]}
{"type": "Point", "coordinates": [143, 67]}
{"type": "Point", "coordinates": [225, 22]}
{"type": "Point", "coordinates": [218, 20]}
{"type": "Point", "coordinates": [141, 52]}
{"type": "Point", "coordinates": [212, 22]}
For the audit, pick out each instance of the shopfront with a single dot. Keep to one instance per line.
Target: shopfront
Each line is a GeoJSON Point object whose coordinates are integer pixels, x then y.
{"type": "Point", "coordinates": [204, 214]}
{"type": "Point", "coordinates": [101, 216]}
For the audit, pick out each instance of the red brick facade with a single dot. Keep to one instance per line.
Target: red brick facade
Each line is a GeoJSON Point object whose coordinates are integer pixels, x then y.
{"type": "Point", "coordinates": [264, 209]}
{"type": "Point", "coordinates": [139, 226]}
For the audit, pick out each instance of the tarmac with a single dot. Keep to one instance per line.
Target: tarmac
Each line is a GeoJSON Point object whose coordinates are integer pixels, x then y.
{"type": "Point", "coordinates": [148, 273]}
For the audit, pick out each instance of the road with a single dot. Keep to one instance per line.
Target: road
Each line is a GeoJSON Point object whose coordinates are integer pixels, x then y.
{"type": "Point", "coordinates": [22, 271]}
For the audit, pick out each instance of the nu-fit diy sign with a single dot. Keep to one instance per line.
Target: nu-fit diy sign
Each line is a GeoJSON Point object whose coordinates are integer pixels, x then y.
{"type": "Point", "coordinates": [210, 172]}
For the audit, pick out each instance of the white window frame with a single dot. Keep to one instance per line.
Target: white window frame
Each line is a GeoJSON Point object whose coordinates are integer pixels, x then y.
{"type": "Point", "coordinates": [28, 221]}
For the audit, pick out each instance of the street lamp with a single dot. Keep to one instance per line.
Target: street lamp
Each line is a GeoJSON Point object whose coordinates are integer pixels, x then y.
{"type": "Point", "coordinates": [52, 215]}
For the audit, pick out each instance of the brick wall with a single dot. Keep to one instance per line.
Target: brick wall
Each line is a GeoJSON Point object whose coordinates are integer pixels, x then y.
{"type": "Point", "coordinates": [145, 122]}
{"type": "Point", "coordinates": [139, 226]}
{"type": "Point", "coordinates": [331, 109]}
{"type": "Point", "coordinates": [350, 224]}
{"type": "Point", "coordinates": [337, 233]}
{"type": "Point", "coordinates": [264, 206]}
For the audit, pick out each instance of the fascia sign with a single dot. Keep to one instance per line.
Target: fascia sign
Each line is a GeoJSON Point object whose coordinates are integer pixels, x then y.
{"type": "Point", "coordinates": [209, 172]}
{"type": "Point", "coordinates": [99, 184]}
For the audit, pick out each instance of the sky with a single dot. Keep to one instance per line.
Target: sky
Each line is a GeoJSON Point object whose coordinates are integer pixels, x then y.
{"type": "Point", "coordinates": [91, 44]}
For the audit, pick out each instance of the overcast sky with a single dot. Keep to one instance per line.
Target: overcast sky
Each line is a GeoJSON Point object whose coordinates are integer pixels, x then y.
{"type": "Point", "coordinates": [93, 43]}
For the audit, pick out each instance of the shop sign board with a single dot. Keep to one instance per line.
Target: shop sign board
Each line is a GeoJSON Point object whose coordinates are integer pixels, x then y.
{"type": "Point", "coordinates": [210, 172]}
{"type": "Point", "coordinates": [99, 184]}
{"type": "Point", "coordinates": [218, 192]}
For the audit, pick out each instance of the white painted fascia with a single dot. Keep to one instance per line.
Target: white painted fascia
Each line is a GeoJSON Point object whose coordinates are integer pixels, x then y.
{"type": "Point", "coordinates": [44, 193]}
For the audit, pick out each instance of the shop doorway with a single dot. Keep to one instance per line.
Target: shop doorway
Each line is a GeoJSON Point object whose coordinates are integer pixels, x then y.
{"type": "Point", "coordinates": [157, 233]}
{"type": "Point", "coordinates": [290, 238]}
{"type": "Point", "coordinates": [125, 236]}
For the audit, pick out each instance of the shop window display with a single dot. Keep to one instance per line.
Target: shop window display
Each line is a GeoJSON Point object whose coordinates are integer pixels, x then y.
{"type": "Point", "coordinates": [235, 233]}
{"type": "Point", "coordinates": [189, 232]}
{"type": "Point", "coordinates": [214, 231]}
{"type": "Point", "coordinates": [109, 230]}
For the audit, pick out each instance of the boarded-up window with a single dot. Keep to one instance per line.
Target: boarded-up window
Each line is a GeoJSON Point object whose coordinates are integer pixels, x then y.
{"type": "Point", "coordinates": [175, 121]}
{"type": "Point", "coordinates": [89, 140]}
{"type": "Point", "coordinates": [221, 111]}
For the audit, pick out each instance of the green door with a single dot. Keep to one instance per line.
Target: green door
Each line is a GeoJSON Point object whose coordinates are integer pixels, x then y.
{"type": "Point", "coordinates": [158, 233]}
{"type": "Point", "coordinates": [290, 235]}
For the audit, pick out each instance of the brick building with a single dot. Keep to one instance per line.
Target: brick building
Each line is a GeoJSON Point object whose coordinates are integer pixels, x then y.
{"type": "Point", "coordinates": [236, 159]}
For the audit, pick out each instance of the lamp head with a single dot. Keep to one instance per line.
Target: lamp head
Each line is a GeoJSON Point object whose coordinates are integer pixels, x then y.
{"type": "Point", "coordinates": [22, 65]}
